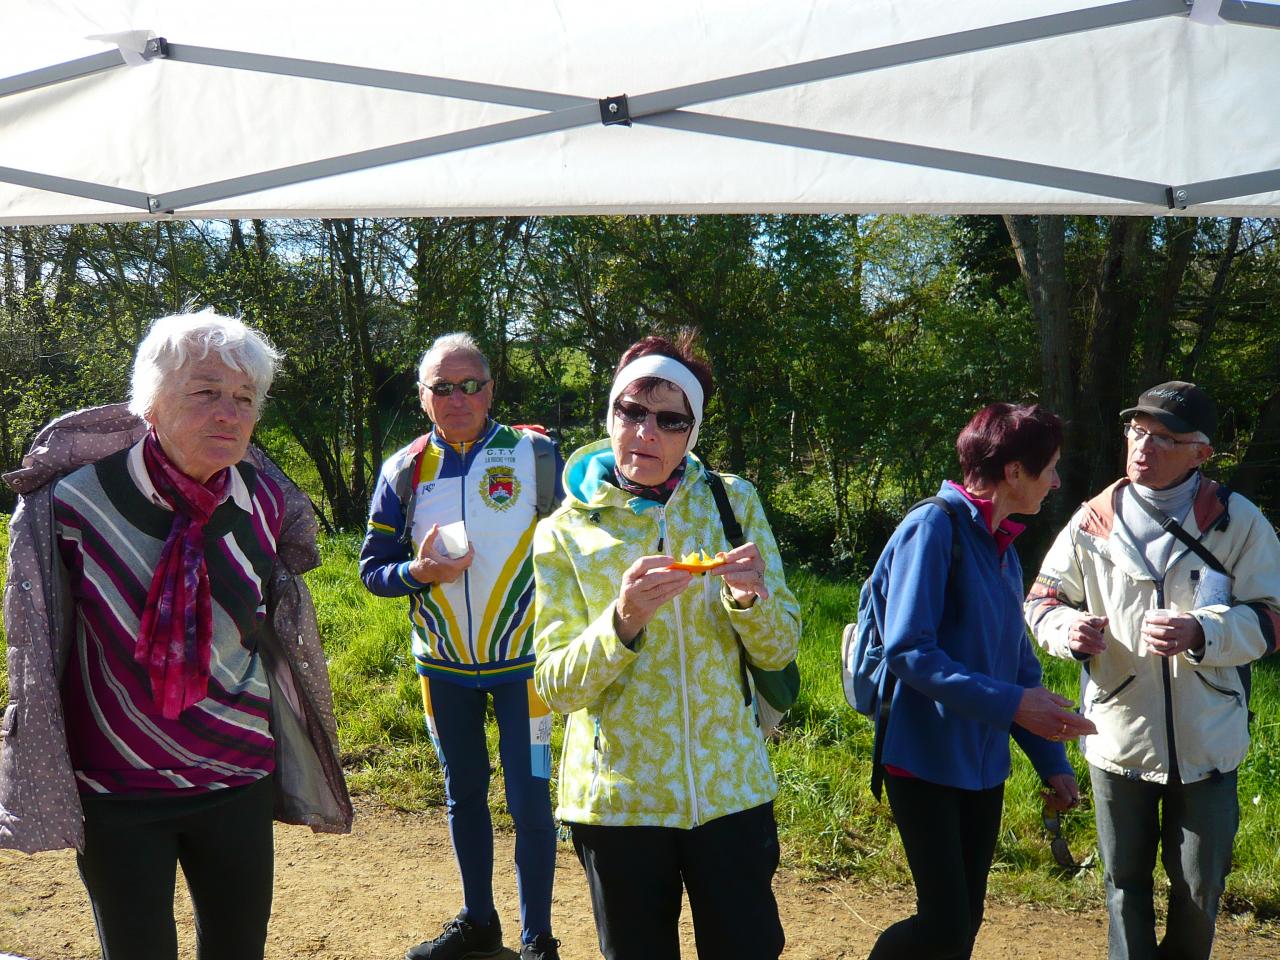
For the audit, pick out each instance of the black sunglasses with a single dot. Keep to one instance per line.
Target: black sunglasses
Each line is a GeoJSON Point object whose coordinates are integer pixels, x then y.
{"type": "Point", "coordinates": [668, 420]}
{"type": "Point", "coordinates": [1052, 821]}
{"type": "Point", "coordinates": [469, 386]}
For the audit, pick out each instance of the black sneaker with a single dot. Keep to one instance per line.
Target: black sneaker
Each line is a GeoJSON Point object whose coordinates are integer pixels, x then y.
{"type": "Point", "coordinates": [542, 947]}
{"type": "Point", "coordinates": [461, 940]}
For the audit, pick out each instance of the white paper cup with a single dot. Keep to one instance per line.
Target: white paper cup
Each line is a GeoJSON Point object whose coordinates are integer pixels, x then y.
{"type": "Point", "coordinates": [452, 541]}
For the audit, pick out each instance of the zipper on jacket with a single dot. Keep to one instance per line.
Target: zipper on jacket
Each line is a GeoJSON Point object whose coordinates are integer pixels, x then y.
{"type": "Point", "coordinates": [1166, 677]}
{"type": "Point", "coordinates": [684, 682]}
{"type": "Point", "coordinates": [463, 479]}
{"type": "Point", "coordinates": [684, 703]}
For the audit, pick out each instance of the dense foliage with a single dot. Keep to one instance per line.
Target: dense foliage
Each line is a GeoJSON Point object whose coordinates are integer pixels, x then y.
{"type": "Point", "coordinates": [847, 350]}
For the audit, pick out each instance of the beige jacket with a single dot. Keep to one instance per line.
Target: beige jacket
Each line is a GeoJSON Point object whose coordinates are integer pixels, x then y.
{"type": "Point", "coordinates": [1139, 701]}
{"type": "Point", "coordinates": [39, 803]}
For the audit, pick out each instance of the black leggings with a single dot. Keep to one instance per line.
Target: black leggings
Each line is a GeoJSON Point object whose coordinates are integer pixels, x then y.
{"type": "Point", "coordinates": [725, 865]}
{"type": "Point", "coordinates": [949, 836]}
{"type": "Point", "coordinates": [222, 838]}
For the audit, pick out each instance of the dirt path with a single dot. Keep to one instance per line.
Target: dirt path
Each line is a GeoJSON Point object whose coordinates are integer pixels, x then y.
{"type": "Point", "coordinates": [390, 884]}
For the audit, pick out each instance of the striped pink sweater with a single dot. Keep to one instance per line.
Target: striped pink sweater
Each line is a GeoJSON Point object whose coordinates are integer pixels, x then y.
{"type": "Point", "coordinates": [110, 531]}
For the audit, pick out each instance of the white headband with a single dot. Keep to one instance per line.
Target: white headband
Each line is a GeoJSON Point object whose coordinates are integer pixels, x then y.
{"type": "Point", "coordinates": [664, 368]}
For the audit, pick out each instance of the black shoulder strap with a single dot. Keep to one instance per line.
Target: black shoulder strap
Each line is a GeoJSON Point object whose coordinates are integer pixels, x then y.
{"type": "Point", "coordinates": [1172, 526]}
{"type": "Point", "coordinates": [732, 529]}
{"type": "Point", "coordinates": [732, 533]}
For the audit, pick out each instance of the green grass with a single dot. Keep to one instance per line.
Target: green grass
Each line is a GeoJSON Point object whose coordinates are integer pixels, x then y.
{"type": "Point", "coordinates": [830, 823]}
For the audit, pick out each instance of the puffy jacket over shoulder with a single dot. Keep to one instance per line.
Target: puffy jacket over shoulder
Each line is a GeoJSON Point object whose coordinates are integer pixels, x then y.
{"type": "Point", "coordinates": [661, 735]}
{"type": "Point", "coordinates": [1147, 707]}
{"type": "Point", "coordinates": [39, 803]}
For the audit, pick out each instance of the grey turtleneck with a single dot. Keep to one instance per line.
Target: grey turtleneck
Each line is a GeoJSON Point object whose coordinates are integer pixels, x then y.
{"type": "Point", "coordinates": [1176, 501]}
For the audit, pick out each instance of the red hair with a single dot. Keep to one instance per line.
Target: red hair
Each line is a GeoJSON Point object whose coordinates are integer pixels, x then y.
{"type": "Point", "coordinates": [1004, 433]}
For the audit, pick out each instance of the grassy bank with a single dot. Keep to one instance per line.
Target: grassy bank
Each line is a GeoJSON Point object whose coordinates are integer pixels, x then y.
{"type": "Point", "coordinates": [830, 822]}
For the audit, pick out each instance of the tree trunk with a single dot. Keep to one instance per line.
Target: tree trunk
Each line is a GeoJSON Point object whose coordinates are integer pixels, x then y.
{"type": "Point", "coordinates": [1258, 474]}
{"type": "Point", "coordinates": [1208, 318]}
{"type": "Point", "coordinates": [1158, 327]}
{"type": "Point", "coordinates": [1104, 386]}
{"type": "Point", "coordinates": [1039, 244]}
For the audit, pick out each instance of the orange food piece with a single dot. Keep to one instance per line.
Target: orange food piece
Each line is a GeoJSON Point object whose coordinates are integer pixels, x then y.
{"type": "Point", "coordinates": [699, 561]}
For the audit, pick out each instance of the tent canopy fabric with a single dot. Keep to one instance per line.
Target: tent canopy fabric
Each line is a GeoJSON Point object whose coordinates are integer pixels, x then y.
{"type": "Point", "coordinates": [141, 109]}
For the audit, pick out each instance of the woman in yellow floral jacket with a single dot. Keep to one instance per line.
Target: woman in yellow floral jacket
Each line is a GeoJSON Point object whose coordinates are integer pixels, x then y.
{"type": "Point", "coordinates": [664, 777]}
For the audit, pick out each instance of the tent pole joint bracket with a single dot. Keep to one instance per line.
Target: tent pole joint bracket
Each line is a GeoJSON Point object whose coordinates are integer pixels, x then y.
{"type": "Point", "coordinates": [1176, 197]}
{"type": "Point", "coordinates": [157, 48]}
{"type": "Point", "coordinates": [615, 111]}
{"type": "Point", "coordinates": [153, 204]}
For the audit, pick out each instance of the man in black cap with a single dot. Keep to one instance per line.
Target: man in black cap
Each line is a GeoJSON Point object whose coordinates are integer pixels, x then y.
{"type": "Point", "coordinates": [1165, 587]}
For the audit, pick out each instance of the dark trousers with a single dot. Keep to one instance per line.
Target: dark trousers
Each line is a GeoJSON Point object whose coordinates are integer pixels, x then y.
{"type": "Point", "coordinates": [727, 865]}
{"type": "Point", "coordinates": [949, 836]}
{"type": "Point", "coordinates": [456, 723]}
{"type": "Point", "coordinates": [222, 838]}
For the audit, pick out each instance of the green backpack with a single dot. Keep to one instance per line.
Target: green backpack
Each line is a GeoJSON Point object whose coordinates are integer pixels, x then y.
{"type": "Point", "coordinates": [778, 689]}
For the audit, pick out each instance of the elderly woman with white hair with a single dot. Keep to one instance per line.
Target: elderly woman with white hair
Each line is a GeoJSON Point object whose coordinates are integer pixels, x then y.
{"type": "Point", "coordinates": [185, 721]}
{"type": "Point", "coordinates": [664, 780]}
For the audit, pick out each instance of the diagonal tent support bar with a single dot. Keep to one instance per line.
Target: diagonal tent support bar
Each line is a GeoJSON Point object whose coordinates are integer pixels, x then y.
{"type": "Point", "coordinates": [79, 188]}
{"type": "Point", "coordinates": [659, 108]}
{"type": "Point", "coordinates": [369, 77]}
{"type": "Point", "coordinates": [916, 51]}
{"type": "Point", "coordinates": [1121, 188]}
{"type": "Point", "coordinates": [71, 70]}
{"type": "Point", "coordinates": [1250, 14]}
{"type": "Point", "coordinates": [1207, 191]}
{"type": "Point", "coordinates": [366, 159]}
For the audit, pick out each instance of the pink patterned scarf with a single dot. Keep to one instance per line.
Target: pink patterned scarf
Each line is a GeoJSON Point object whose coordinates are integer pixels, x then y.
{"type": "Point", "coordinates": [176, 633]}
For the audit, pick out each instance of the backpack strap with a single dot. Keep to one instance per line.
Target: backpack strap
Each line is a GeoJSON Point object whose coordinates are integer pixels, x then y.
{"type": "Point", "coordinates": [544, 469]}
{"type": "Point", "coordinates": [890, 680]}
{"type": "Point", "coordinates": [406, 490]}
{"type": "Point", "coordinates": [733, 533]}
{"type": "Point", "coordinates": [732, 529]}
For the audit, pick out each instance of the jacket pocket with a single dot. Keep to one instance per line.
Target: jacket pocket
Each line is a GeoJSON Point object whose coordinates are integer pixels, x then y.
{"type": "Point", "coordinates": [1105, 696]}
{"type": "Point", "coordinates": [10, 722]}
{"type": "Point", "coordinates": [10, 781]}
{"type": "Point", "coordinates": [1218, 688]}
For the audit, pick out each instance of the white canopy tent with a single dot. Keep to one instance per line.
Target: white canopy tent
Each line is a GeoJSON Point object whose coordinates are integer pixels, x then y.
{"type": "Point", "coordinates": [138, 109]}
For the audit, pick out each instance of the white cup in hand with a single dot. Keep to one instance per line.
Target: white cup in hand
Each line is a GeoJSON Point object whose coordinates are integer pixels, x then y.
{"type": "Point", "coordinates": [451, 540]}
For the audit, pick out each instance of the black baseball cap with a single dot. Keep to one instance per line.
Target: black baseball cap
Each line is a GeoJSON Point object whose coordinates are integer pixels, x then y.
{"type": "Point", "coordinates": [1182, 407]}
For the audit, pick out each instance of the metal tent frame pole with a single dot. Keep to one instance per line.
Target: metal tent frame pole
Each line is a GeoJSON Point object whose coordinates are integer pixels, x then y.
{"type": "Point", "coordinates": [664, 108]}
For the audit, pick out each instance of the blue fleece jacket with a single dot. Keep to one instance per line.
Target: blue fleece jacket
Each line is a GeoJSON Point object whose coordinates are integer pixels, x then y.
{"type": "Point", "coordinates": [961, 654]}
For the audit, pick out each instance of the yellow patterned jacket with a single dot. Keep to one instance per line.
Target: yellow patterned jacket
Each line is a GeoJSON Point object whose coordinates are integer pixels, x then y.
{"type": "Point", "coordinates": [662, 735]}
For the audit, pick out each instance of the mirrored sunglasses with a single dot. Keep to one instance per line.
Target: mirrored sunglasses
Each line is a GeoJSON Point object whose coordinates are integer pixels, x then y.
{"type": "Point", "coordinates": [1058, 843]}
{"type": "Point", "coordinates": [469, 386]}
{"type": "Point", "coordinates": [669, 421]}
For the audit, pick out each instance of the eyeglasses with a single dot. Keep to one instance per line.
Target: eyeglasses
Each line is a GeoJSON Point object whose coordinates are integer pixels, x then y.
{"type": "Point", "coordinates": [469, 386]}
{"type": "Point", "coordinates": [669, 421]}
{"type": "Point", "coordinates": [1158, 440]}
{"type": "Point", "coordinates": [1058, 843]}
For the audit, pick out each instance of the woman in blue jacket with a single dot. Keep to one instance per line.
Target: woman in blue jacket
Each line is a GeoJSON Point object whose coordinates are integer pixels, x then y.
{"type": "Point", "coordinates": [968, 678]}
